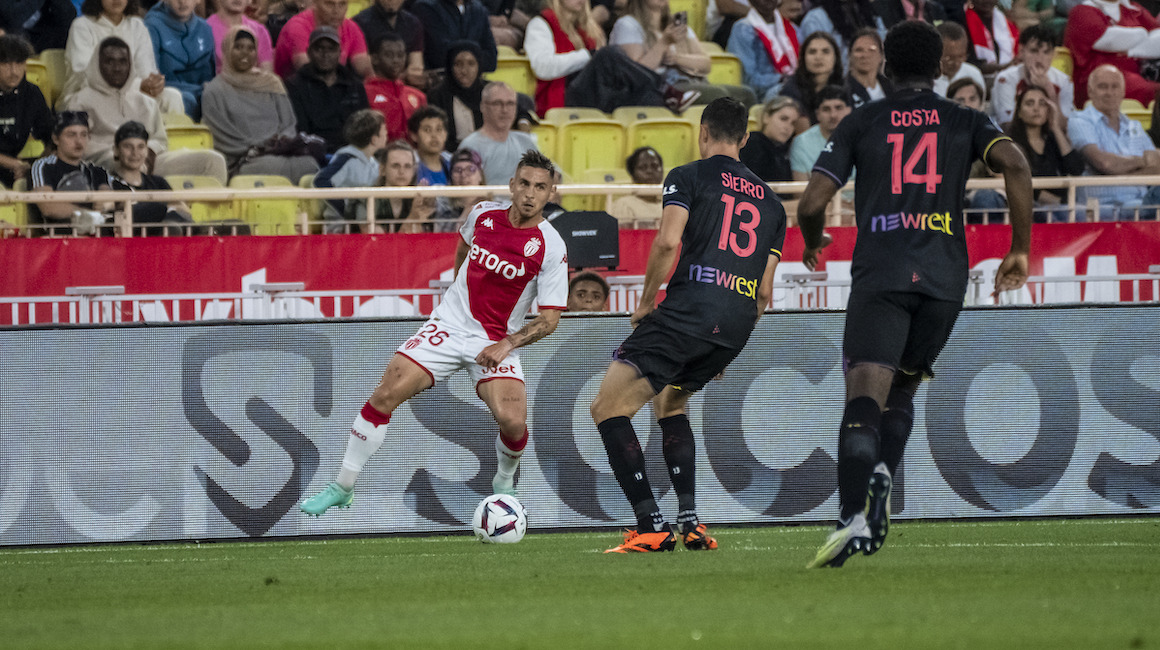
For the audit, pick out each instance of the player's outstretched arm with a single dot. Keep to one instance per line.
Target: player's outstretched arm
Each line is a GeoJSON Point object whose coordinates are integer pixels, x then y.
{"type": "Point", "coordinates": [661, 258]}
{"type": "Point", "coordinates": [1007, 158]}
{"type": "Point", "coordinates": [812, 216]}
{"type": "Point", "coordinates": [542, 325]}
{"type": "Point", "coordinates": [765, 289]}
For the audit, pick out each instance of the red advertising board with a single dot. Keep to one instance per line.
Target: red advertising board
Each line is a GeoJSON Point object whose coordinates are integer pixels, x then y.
{"type": "Point", "coordinates": [45, 267]}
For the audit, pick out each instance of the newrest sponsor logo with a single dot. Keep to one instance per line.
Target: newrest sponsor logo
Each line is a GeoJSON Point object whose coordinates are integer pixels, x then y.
{"type": "Point", "coordinates": [730, 281]}
{"type": "Point", "coordinates": [912, 221]}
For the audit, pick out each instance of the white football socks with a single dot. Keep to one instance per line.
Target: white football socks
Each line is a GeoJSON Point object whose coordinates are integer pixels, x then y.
{"type": "Point", "coordinates": [365, 439]}
{"type": "Point", "coordinates": [508, 462]}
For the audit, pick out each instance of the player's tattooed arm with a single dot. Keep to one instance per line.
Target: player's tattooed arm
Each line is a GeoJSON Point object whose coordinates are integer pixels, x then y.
{"type": "Point", "coordinates": [542, 325]}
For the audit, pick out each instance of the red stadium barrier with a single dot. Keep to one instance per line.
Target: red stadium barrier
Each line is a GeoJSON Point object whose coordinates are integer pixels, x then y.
{"type": "Point", "coordinates": [45, 267]}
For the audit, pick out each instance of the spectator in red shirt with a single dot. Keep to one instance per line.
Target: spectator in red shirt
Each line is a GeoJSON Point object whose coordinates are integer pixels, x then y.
{"type": "Point", "coordinates": [386, 90]}
{"type": "Point", "coordinates": [293, 41]}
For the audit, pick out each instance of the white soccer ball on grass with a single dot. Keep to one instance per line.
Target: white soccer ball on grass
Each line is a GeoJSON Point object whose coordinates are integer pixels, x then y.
{"type": "Point", "coordinates": [500, 519]}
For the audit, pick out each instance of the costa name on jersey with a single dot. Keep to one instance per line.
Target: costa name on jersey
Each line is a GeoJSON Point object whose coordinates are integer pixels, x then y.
{"type": "Point", "coordinates": [506, 269]}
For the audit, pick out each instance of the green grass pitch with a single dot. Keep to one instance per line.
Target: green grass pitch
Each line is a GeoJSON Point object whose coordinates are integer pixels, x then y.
{"type": "Point", "coordinates": [1086, 583]}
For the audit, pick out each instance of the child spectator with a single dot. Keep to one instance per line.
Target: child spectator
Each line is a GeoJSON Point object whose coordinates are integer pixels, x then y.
{"type": "Point", "coordinates": [183, 49]}
{"type": "Point", "coordinates": [385, 89]}
{"type": "Point", "coordinates": [833, 107]}
{"type": "Point", "coordinates": [23, 111]}
{"type": "Point", "coordinates": [353, 166]}
{"type": "Point", "coordinates": [428, 130]}
{"type": "Point", "coordinates": [325, 94]}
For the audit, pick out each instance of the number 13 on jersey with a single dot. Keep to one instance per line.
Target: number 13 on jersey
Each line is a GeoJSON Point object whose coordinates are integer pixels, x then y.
{"type": "Point", "coordinates": [900, 173]}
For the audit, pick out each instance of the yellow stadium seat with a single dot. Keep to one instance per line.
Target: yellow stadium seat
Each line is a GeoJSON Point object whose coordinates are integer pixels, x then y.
{"type": "Point", "coordinates": [674, 139]}
{"type": "Point", "coordinates": [32, 149]}
{"type": "Point", "coordinates": [189, 136]}
{"type": "Point", "coordinates": [755, 112]}
{"type": "Point", "coordinates": [176, 119]}
{"type": "Point", "coordinates": [1137, 111]}
{"type": "Point", "coordinates": [595, 177]}
{"type": "Point", "coordinates": [628, 114]}
{"type": "Point", "coordinates": [516, 71]}
{"type": "Point", "coordinates": [546, 137]}
{"type": "Point", "coordinates": [726, 69]}
{"type": "Point", "coordinates": [355, 6]}
{"type": "Point", "coordinates": [1062, 60]}
{"type": "Point", "coordinates": [266, 216]}
{"type": "Point", "coordinates": [16, 214]}
{"type": "Point", "coordinates": [711, 48]}
{"type": "Point", "coordinates": [313, 208]}
{"type": "Point", "coordinates": [590, 144]}
{"type": "Point", "coordinates": [56, 65]}
{"type": "Point", "coordinates": [559, 116]}
{"type": "Point", "coordinates": [697, 12]}
{"type": "Point", "coordinates": [506, 50]}
{"type": "Point", "coordinates": [37, 74]}
{"type": "Point", "coordinates": [203, 210]}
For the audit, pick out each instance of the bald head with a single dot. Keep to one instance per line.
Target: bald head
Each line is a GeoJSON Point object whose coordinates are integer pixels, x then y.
{"type": "Point", "coordinates": [1106, 89]}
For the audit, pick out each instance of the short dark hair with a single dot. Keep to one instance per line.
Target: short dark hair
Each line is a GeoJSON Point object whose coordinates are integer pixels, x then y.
{"type": "Point", "coordinates": [362, 126]}
{"type": "Point", "coordinates": [536, 160]}
{"type": "Point", "coordinates": [832, 92]}
{"type": "Point", "coordinates": [426, 112]}
{"type": "Point", "coordinates": [389, 37]}
{"type": "Point", "coordinates": [1036, 32]}
{"type": "Point", "coordinates": [590, 276]}
{"type": "Point", "coordinates": [959, 84]}
{"type": "Point", "coordinates": [111, 42]}
{"type": "Point", "coordinates": [92, 8]}
{"type": "Point", "coordinates": [951, 31]}
{"type": "Point", "coordinates": [633, 159]}
{"type": "Point", "coordinates": [727, 120]}
{"type": "Point", "coordinates": [15, 49]}
{"type": "Point", "coordinates": [913, 52]}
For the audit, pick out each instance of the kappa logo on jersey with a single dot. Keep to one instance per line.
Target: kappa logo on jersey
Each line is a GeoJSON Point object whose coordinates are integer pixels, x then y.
{"type": "Point", "coordinates": [671, 189]}
{"type": "Point", "coordinates": [531, 247]}
{"type": "Point", "coordinates": [493, 262]}
{"type": "Point", "coordinates": [487, 223]}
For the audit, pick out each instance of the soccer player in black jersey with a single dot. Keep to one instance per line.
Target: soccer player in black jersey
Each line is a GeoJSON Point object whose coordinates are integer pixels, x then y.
{"type": "Point", "coordinates": [730, 228]}
{"type": "Point", "coordinates": [913, 151]}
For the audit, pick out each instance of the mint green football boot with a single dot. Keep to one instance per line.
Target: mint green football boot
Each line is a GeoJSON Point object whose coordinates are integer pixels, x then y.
{"type": "Point", "coordinates": [333, 496]}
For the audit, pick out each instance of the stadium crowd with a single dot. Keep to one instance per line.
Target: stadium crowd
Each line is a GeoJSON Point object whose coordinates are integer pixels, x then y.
{"type": "Point", "coordinates": [292, 88]}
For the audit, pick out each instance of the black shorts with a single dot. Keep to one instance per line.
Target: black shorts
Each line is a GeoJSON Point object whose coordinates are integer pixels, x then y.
{"type": "Point", "coordinates": [666, 357]}
{"type": "Point", "coordinates": [905, 331]}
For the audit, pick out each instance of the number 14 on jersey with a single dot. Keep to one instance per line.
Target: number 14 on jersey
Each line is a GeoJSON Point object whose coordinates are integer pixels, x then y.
{"type": "Point", "coordinates": [905, 173]}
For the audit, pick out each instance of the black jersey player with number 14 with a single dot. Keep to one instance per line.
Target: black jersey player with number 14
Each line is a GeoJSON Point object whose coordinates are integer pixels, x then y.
{"type": "Point", "coordinates": [913, 151]}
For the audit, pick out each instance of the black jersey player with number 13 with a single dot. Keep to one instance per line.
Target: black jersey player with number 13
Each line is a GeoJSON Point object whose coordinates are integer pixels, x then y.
{"type": "Point", "coordinates": [913, 151]}
{"type": "Point", "coordinates": [729, 227]}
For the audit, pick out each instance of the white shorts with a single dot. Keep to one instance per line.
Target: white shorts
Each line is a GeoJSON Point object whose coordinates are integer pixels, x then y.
{"type": "Point", "coordinates": [441, 350]}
